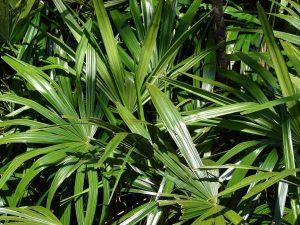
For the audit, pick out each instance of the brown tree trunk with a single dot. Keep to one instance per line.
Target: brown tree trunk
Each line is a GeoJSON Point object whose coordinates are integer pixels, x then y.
{"type": "Point", "coordinates": [220, 33]}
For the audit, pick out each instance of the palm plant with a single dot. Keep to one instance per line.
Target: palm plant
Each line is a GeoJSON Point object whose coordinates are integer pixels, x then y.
{"type": "Point", "coordinates": [74, 144]}
{"type": "Point", "coordinates": [85, 129]}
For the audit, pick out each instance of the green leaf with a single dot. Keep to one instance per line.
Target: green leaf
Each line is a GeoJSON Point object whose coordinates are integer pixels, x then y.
{"type": "Point", "coordinates": [136, 126]}
{"type": "Point", "coordinates": [294, 55]}
{"type": "Point", "coordinates": [166, 187]}
{"type": "Point", "coordinates": [271, 104]}
{"type": "Point", "coordinates": [70, 165]}
{"type": "Point", "coordinates": [19, 160]}
{"type": "Point", "coordinates": [219, 111]}
{"type": "Point", "coordinates": [69, 19]}
{"type": "Point", "coordinates": [53, 117]}
{"type": "Point", "coordinates": [106, 193]}
{"type": "Point", "coordinates": [236, 150]}
{"type": "Point", "coordinates": [137, 214]}
{"type": "Point", "coordinates": [247, 181]}
{"type": "Point", "coordinates": [78, 188]}
{"type": "Point", "coordinates": [92, 195]}
{"type": "Point", "coordinates": [136, 16]}
{"type": "Point", "coordinates": [280, 68]}
{"type": "Point", "coordinates": [22, 122]}
{"type": "Point", "coordinates": [248, 160]}
{"type": "Point", "coordinates": [148, 46]}
{"type": "Point", "coordinates": [183, 177]}
{"type": "Point", "coordinates": [277, 59]}
{"type": "Point", "coordinates": [111, 146]}
{"type": "Point", "coordinates": [26, 8]}
{"type": "Point", "coordinates": [188, 17]}
{"type": "Point", "coordinates": [42, 83]}
{"type": "Point", "coordinates": [170, 54]}
{"type": "Point", "coordinates": [111, 48]}
{"type": "Point", "coordinates": [210, 96]}
{"type": "Point", "coordinates": [248, 84]}
{"type": "Point", "coordinates": [176, 127]}
{"type": "Point", "coordinates": [29, 36]}
{"type": "Point", "coordinates": [120, 173]}
{"type": "Point", "coordinates": [127, 34]}
{"type": "Point", "coordinates": [266, 74]}
{"type": "Point", "coordinates": [167, 25]}
{"type": "Point", "coordinates": [38, 166]}
{"type": "Point", "coordinates": [273, 180]}
{"type": "Point", "coordinates": [29, 215]}
{"type": "Point", "coordinates": [146, 54]}
{"type": "Point", "coordinates": [81, 49]}
{"type": "Point", "coordinates": [289, 159]}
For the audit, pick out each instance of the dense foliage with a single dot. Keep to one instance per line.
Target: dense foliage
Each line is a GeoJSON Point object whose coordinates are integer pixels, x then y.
{"type": "Point", "coordinates": [118, 112]}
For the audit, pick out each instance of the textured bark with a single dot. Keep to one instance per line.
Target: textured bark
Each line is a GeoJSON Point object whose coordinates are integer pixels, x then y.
{"type": "Point", "coordinates": [220, 32]}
